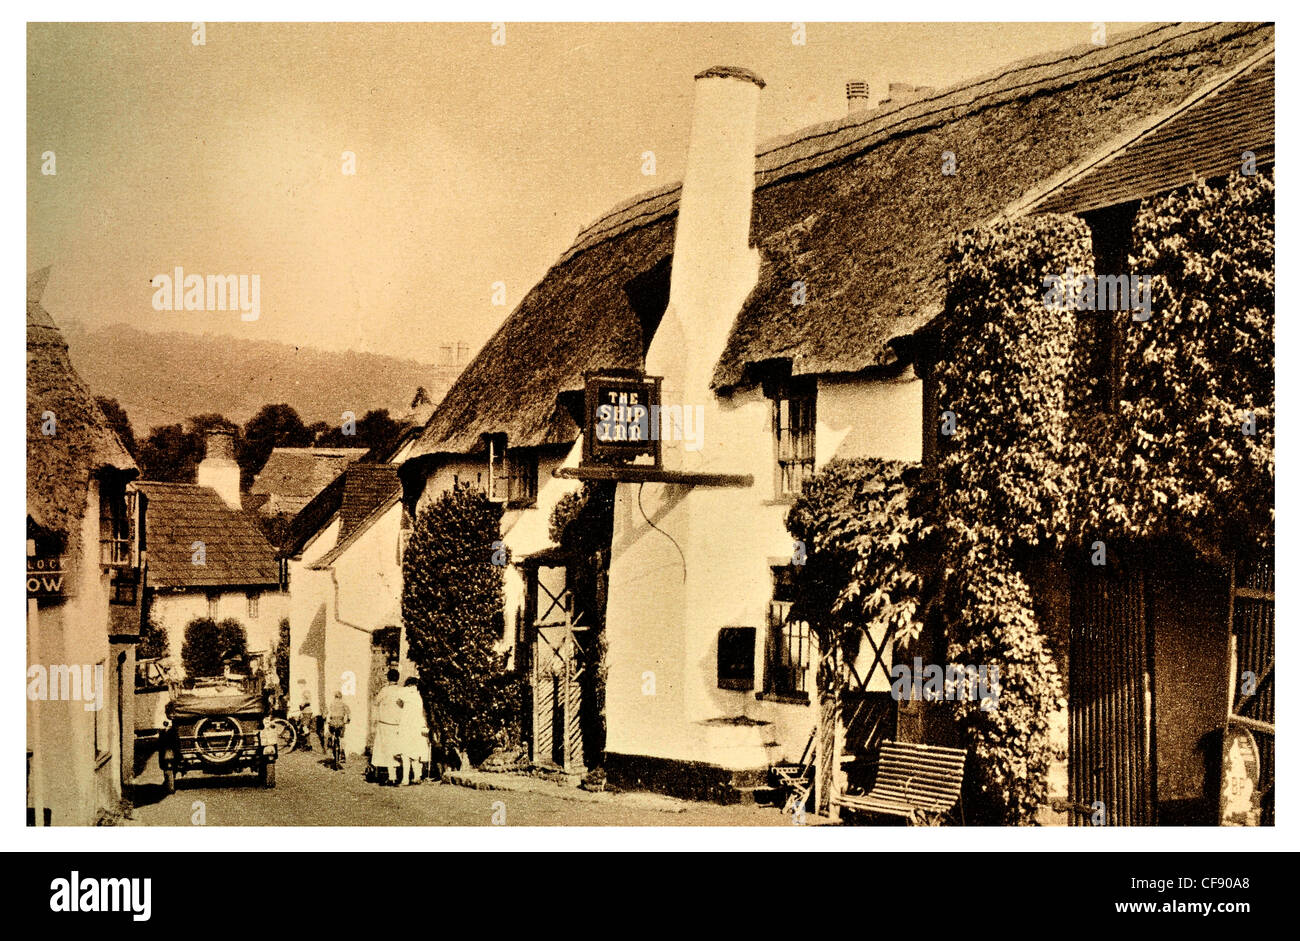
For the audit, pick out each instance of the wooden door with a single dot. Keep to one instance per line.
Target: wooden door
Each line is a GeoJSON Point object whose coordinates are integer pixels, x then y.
{"type": "Point", "coordinates": [1111, 751]}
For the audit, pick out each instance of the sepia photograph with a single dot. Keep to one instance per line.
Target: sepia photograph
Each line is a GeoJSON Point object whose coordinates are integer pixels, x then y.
{"type": "Point", "coordinates": [792, 425]}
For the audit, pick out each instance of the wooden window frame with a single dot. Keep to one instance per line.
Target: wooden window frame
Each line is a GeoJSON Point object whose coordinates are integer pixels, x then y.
{"type": "Point", "coordinates": [794, 436]}
{"type": "Point", "coordinates": [785, 677]}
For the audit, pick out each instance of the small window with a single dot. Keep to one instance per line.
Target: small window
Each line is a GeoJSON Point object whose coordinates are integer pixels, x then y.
{"type": "Point", "coordinates": [789, 642]}
{"type": "Point", "coordinates": [736, 658]}
{"type": "Point", "coordinates": [794, 426]}
{"type": "Point", "coordinates": [521, 470]}
{"type": "Point", "coordinates": [212, 606]}
{"type": "Point", "coordinates": [116, 508]}
{"type": "Point", "coordinates": [403, 534]}
{"type": "Point", "coordinates": [253, 599]}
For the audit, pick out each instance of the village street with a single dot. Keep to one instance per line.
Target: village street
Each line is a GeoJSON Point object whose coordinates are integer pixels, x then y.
{"type": "Point", "coordinates": [309, 793]}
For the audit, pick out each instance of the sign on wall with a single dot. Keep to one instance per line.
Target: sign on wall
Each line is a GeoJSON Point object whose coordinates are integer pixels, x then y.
{"type": "Point", "coordinates": [622, 417]}
{"type": "Point", "coordinates": [45, 576]}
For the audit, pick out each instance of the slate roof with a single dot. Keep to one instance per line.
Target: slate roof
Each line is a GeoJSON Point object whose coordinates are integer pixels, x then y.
{"type": "Point", "coordinates": [59, 466]}
{"type": "Point", "coordinates": [178, 515]}
{"type": "Point", "coordinates": [292, 476]}
{"type": "Point", "coordinates": [365, 487]}
{"type": "Point", "coordinates": [855, 208]}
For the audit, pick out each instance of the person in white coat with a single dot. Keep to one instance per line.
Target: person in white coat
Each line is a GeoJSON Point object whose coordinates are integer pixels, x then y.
{"type": "Point", "coordinates": [388, 716]}
{"type": "Point", "coordinates": [413, 732]}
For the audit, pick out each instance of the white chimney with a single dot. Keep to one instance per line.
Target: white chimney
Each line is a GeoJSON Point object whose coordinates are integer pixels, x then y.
{"type": "Point", "coordinates": [858, 94]}
{"type": "Point", "coordinates": [714, 268]}
{"type": "Point", "coordinates": [218, 469]}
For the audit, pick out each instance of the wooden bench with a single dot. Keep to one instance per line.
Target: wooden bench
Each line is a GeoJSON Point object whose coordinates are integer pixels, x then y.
{"type": "Point", "coordinates": [918, 782]}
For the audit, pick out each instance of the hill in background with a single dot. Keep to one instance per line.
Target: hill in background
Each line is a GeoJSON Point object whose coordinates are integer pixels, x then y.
{"type": "Point", "coordinates": [164, 378]}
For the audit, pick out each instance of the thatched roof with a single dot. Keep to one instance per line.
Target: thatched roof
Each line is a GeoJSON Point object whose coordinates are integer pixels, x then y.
{"type": "Point", "coordinates": [59, 466]}
{"type": "Point", "coordinates": [857, 209]}
{"type": "Point", "coordinates": [236, 552]}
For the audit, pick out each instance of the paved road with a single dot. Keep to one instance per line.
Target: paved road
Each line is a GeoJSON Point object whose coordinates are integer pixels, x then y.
{"type": "Point", "coordinates": [309, 793]}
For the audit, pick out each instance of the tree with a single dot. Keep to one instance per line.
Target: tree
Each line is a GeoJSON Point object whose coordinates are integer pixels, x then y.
{"type": "Point", "coordinates": [274, 426]}
{"type": "Point", "coordinates": [452, 607]}
{"type": "Point", "coordinates": [171, 453]}
{"type": "Point", "coordinates": [282, 657]}
{"type": "Point", "coordinates": [153, 641]}
{"type": "Point", "coordinates": [118, 421]}
{"type": "Point", "coordinates": [376, 430]}
{"type": "Point", "coordinates": [208, 645]}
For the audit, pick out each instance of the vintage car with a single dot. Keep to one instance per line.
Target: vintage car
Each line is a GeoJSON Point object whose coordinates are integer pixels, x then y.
{"type": "Point", "coordinates": [216, 727]}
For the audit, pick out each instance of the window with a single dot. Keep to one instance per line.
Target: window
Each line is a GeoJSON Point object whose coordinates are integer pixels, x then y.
{"type": "Point", "coordinates": [212, 606]}
{"type": "Point", "coordinates": [736, 658]}
{"type": "Point", "coordinates": [521, 485]}
{"type": "Point", "coordinates": [498, 478]}
{"type": "Point", "coordinates": [254, 598]}
{"type": "Point", "coordinates": [512, 474]}
{"type": "Point", "coordinates": [1102, 331]}
{"type": "Point", "coordinates": [789, 642]}
{"type": "Point", "coordinates": [116, 510]}
{"type": "Point", "coordinates": [794, 424]}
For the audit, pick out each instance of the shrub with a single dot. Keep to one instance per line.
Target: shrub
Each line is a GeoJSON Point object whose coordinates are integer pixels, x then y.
{"type": "Point", "coordinates": [452, 607]}
{"type": "Point", "coordinates": [154, 642]}
{"type": "Point", "coordinates": [208, 645]}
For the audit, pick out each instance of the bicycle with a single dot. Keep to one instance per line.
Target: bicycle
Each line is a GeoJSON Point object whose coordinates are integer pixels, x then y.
{"type": "Point", "coordinates": [338, 754]}
{"type": "Point", "coordinates": [286, 735]}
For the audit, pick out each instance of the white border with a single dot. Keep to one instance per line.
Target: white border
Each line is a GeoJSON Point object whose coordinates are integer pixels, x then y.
{"type": "Point", "coordinates": [334, 839]}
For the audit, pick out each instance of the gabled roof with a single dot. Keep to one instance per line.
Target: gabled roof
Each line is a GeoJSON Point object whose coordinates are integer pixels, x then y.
{"type": "Point", "coordinates": [235, 548]}
{"type": "Point", "coordinates": [359, 529]}
{"type": "Point", "coordinates": [312, 518]}
{"type": "Point", "coordinates": [365, 487]}
{"type": "Point", "coordinates": [857, 209]}
{"type": "Point", "coordinates": [59, 466]}
{"type": "Point", "coordinates": [294, 475]}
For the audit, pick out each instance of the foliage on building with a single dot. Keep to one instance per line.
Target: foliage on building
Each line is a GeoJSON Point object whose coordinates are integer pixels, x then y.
{"type": "Point", "coordinates": [1032, 459]}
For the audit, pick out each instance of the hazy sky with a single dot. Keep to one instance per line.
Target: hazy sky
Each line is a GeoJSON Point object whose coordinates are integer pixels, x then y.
{"type": "Point", "coordinates": [475, 163]}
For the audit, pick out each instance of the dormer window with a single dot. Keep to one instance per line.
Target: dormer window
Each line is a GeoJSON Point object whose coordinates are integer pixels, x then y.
{"type": "Point", "coordinates": [794, 428]}
{"type": "Point", "coordinates": [116, 524]}
{"type": "Point", "coordinates": [512, 474]}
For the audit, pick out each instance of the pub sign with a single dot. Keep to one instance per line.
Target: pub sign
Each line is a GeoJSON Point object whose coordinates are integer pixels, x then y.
{"type": "Point", "coordinates": [622, 418]}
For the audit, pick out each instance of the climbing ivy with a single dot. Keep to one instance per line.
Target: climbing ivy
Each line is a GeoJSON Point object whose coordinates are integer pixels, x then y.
{"type": "Point", "coordinates": [1032, 459]}
{"type": "Point", "coordinates": [1189, 452]}
{"type": "Point", "coordinates": [864, 545]}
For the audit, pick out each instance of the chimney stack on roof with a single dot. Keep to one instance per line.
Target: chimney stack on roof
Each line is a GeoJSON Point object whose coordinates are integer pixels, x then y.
{"type": "Point", "coordinates": [218, 469]}
{"type": "Point", "coordinates": [713, 268]}
{"type": "Point", "coordinates": [858, 94]}
{"type": "Point", "coordinates": [900, 93]}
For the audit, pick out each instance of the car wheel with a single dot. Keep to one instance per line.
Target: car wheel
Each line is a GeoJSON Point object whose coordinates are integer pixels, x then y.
{"type": "Point", "coordinates": [217, 739]}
